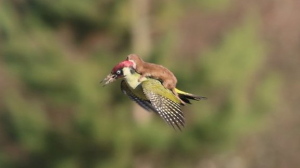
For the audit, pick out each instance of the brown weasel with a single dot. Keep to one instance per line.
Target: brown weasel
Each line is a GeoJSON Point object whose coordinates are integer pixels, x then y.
{"type": "Point", "coordinates": [146, 69]}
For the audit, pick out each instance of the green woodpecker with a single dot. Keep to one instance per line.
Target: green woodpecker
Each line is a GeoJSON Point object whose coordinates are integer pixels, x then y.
{"type": "Point", "coordinates": [151, 94]}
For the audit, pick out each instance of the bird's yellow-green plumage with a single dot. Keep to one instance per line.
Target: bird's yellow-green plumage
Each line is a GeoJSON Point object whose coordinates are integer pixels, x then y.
{"type": "Point", "coordinates": [150, 94]}
{"type": "Point", "coordinates": [153, 96]}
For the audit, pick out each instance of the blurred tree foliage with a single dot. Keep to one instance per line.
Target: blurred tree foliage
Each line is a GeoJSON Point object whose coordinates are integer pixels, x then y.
{"type": "Point", "coordinates": [54, 113]}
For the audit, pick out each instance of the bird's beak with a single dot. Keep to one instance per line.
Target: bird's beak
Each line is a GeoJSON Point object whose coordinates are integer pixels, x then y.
{"type": "Point", "coordinates": [109, 79]}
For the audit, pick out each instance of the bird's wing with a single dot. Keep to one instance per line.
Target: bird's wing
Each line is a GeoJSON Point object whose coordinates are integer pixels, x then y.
{"type": "Point", "coordinates": [146, 104]}
{"type": "Point", "coordinates": [161, 100]}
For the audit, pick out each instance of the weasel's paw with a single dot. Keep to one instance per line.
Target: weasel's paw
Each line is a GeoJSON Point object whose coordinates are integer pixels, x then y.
{"type": "Point", "coordinates": [140, 78]}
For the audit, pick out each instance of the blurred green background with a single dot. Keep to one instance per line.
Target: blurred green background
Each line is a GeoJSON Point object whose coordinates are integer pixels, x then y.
{"type": "Point", "coordinates": [242, 55]}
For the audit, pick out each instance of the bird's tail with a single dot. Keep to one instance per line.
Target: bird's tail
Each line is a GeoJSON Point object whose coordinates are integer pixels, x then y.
{"type": "Point", "coordinates": [186, 97]}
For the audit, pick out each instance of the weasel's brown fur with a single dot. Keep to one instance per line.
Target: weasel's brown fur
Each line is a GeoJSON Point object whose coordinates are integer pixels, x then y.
{"type": "Point", "coordinates": [146, 69]}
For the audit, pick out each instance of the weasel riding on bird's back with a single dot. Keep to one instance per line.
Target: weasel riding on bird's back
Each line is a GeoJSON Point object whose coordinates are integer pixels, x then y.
{"type": "Point", "coordinates": [150, 93]}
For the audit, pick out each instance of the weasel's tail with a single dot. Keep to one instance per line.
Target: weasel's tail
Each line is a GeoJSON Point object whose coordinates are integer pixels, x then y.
{"type": "Point", "coordinates": [186, 97]}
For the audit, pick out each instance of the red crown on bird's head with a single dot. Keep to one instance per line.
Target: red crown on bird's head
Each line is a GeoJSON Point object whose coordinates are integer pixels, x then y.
{"type": "Point", "coordinates": [121, 65]}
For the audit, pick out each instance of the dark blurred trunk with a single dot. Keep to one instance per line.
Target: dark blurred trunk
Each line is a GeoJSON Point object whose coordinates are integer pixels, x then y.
{"type": "Point", "coordinates": [141, 43]}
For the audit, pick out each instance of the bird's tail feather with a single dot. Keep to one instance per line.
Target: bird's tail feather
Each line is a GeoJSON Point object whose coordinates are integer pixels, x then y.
{"type": "Point", "coordinates": [186, 97]}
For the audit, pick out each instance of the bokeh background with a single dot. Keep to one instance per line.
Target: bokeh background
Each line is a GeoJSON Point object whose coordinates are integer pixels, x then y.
{"type": "Point", "coordinates": [243, 55]}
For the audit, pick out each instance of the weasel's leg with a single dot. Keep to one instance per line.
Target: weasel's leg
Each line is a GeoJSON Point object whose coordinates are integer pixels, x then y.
{"type": "Point", "coordinates": [168, 84]}
{"type": "Point", "coordinates": [140, 78]}
{"type": "Point", "coordinates": [176, 94]}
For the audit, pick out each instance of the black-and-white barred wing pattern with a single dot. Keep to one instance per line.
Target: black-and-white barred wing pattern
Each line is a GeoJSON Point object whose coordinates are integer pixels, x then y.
{"type": "Point", "coordinates": [146, 104]}
{"type": "Point", "coordinates": [169, 110]}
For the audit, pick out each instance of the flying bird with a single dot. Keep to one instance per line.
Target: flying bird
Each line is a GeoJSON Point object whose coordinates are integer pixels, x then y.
{"type": "Point", "coordinates": [150, 93]}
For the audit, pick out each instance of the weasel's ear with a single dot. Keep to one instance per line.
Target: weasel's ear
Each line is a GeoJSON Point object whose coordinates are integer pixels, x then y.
{"type": "Point", "coordinates": [129, 57]}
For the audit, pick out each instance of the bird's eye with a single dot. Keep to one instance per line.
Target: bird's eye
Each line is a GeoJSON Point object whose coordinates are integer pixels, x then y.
{"type": "Point", "coordinates": [118, 72]}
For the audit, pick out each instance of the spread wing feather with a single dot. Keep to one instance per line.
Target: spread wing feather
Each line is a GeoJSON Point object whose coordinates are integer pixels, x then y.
{"type": "Point", "coordinates": [146, 104]}
{"type": "Point", "coordinates": [169, 110]}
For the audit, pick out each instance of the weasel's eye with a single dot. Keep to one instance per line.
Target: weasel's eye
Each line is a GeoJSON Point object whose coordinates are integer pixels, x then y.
{"type": "Point", "coordinates": [118, 72]}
